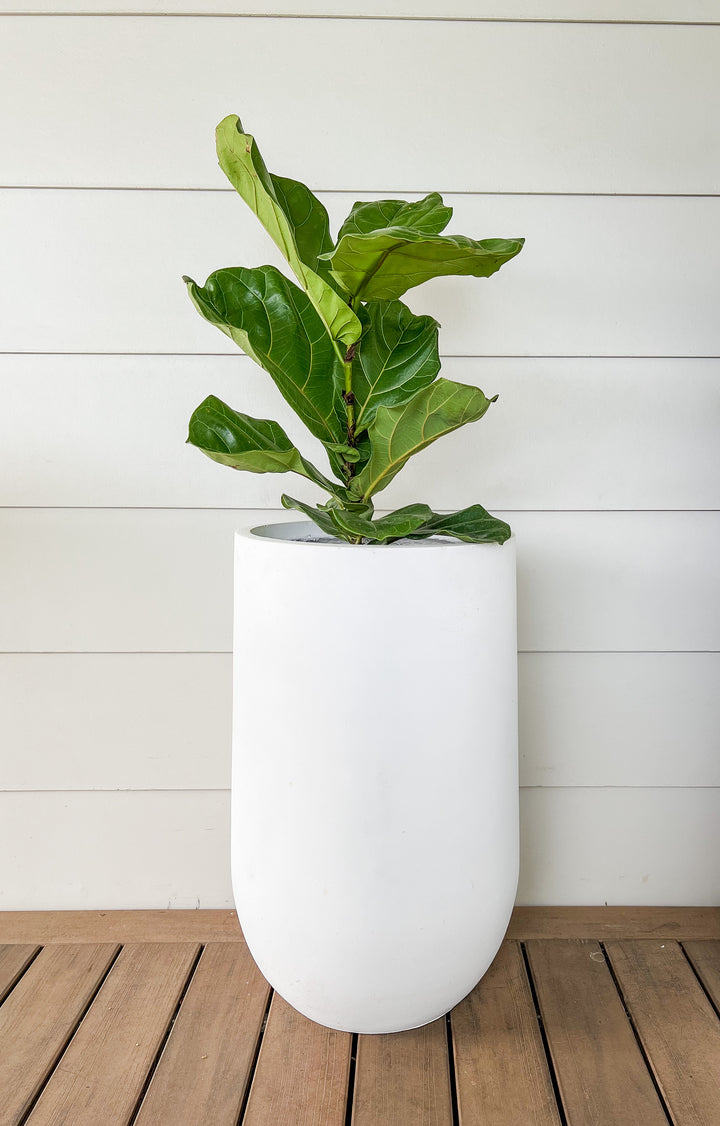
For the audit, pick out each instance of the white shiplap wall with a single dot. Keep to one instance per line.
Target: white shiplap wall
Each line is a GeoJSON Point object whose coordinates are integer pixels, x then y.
{"type": "Point", "coordinates": [592, 129]}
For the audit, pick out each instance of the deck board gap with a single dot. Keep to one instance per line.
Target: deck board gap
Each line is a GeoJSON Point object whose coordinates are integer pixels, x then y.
{"type": "Point", "coordinates": [71, 1035]}
{"type": "Point", "coordinates": [165, 1038]}
{"type": "Point", "coordinates": [700, 981]}
{"type": "Point", "coordinates": [5, 993]}
{"type": "Point", "coordinates": [256, 1056]}
{"type": "Point", "coordinates": [351, 1080]}
{"type": "Point", "coordinates": [543, 1036]}
{"type": "Point", "coordinates": [641, 1047]}
{"type": "Point", "coordinates": [451, 1071]}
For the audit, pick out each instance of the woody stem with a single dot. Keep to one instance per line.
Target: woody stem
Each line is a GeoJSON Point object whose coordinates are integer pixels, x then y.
{"type": "Point", "coordinates": [349, 399]}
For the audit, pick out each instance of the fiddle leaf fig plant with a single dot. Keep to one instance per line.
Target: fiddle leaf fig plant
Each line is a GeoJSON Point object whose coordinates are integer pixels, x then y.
{"type": "Point", "coordinates": [355, 364]}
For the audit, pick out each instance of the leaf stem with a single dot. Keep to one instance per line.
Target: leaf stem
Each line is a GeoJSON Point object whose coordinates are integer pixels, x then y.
{"type": "Point", "coordinates": [338, 350]}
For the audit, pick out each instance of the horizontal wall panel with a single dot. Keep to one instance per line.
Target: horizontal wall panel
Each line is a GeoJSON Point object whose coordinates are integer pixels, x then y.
{"type": "Point", "coordinates": [619, 719]}
{"type": "Point", "coordinates": [117, 580]}
{"type": "Point", "coordinates": [620, 581]}
{"type": "Point", "coordinates": [146, 721]}
{"type": "Point", "coordinates": [595, 277]}
{"type": "Point", "coordinates": [114, 850]}
{"type": "Point", "coordinates": [618, 847]}
{"type": "Point", "coordinates": [115, 721]}
{"type": "Point", "coordinates": [153, 850]}
{"type": "Point", "coordinates": [565, 433]}
{"type": "Point", "coordinates": [111, 102]}
{"type": "Point", "coordinates": [161, 580]}
{"type": "Point", "coordinates": [681, 11]}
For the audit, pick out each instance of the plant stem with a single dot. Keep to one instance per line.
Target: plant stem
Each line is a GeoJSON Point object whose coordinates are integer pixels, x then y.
{"type": "Point", "coordinates": [349, 398]}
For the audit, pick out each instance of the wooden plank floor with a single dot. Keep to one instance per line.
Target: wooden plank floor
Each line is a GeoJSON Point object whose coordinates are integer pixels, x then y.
{"type": "Point", "coordinates": [587, 1017]}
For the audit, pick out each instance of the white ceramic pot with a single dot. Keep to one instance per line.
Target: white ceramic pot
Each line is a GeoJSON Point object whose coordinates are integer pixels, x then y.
{"type": "Point", "coordinates": [375, 789]}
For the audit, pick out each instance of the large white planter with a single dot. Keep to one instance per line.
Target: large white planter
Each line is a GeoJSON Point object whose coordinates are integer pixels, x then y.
{"type": "Point", "coordinates": [375, 790]}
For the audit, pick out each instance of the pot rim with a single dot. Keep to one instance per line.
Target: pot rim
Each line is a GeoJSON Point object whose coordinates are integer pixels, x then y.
{"type": "Point", "coordinates": [267, 533]}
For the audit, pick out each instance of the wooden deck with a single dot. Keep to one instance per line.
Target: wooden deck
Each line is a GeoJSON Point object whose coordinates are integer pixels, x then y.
{"type": "Point", "coordinates": [588, 1017]}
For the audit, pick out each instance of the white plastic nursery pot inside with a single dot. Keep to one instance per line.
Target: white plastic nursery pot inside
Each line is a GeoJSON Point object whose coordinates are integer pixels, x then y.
{"type": "Point", "coordinates": [375, 776]}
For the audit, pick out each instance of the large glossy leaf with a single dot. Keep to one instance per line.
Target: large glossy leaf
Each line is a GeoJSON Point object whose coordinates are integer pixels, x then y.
{"type": "Point", "coordinates": [429, 215]}
{"type": "Point", "coordinates": [295, 220]}
{"type": "Point", "coordinates": [275, 323]}
{"type": "Point", "coordinates": [472, 525]}
{"type": "Point", "coordinates": [415, 521]}
{"type": "Point", "coordinates": [397, 356]}
{"type": "Point", "coordinates": [397, 433]}
{"type": "Point", "coordinates": [392, 527]}
{"type": "Point", "coordinates": [242, 442]}
{"type": "Point", "coordinates": [308, 219]}
{"type": "Point", "coordinates": [318, 516]}
{"type": "Point", "coordinates": [383, 264]}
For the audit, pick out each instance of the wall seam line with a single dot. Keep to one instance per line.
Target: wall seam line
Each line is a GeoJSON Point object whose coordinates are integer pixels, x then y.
{"type": "Point", "coordinates": [228, 652]}
{"type": "Point", "coordinates": [228, 789]}
{"type": "Point", "coordinates": [355, 191]}
{"type": "Point", "coordinates": [281, 511]}
{"type": "Point", "coordinates": [444, 355]}
{"type": "Point", "coordinates": [359, 17]}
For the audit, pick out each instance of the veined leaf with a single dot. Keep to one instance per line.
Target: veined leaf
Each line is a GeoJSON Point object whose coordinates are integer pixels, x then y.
{"type": "Point", "coordinates": [350, 454]}
{"type": "Point", "coordinates": [318, 515]}
{"type": "Point", "coordinates": [383, 264]}
{"type": "Point", "coordinates": [363, 508]}
{"type": "Point", "coordinates": [295, 220]}
{"type": "Point", "coordinates": [397, 356]}
{"type": "Point", "coordinates": [397, 433]}
{"type": "Point", "coordinates": [275, 323]}
{"type": "Point", "coordinates": [472, 525]}
{"type": "Point", "coordinates": [242, 442]}
{"type": "Point", "coordinates": [392, 527]}
{"type": "Point", "coordinates": [418, 521]}
{"type": "Point", "coordinates": [429, 215]}
{"type": "Point", "coordinates": [308, 219]}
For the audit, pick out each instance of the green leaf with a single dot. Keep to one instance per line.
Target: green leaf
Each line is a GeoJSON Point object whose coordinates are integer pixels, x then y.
{"type": "Point", "coordinates": [295, 220]}
{"type": "Point", "coordinates": [242, 442]}
{"type": "Point", "coordinates": [418, 521]}
{"type": "Point", "coordinates": [308, 219]}
{"type": "Point", "coordinates": [392, 527]}
{"type": "Point", "coordinates": [415, 522]}
{"type": "Point", "coordinates": [397, 433]}
{"type": "Point", "coordinates": [397, 356]}
{"type": "Point", "coordinates": [311, 227]}
{"type": "Point", "coordinates": [318, 515]}
{"type": "Point", "coordinates": [275, 323]}
{"type": "Point", "coordinates": [471, 525]}
{"type": "Point", "coordinates": [429, 215]}
{"type": "Point", "coordinates": [383, 264]}
{"type": "Point", "coordinates": [350, 454]}
{"type": "Point", "coordinates": [350, 504]}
